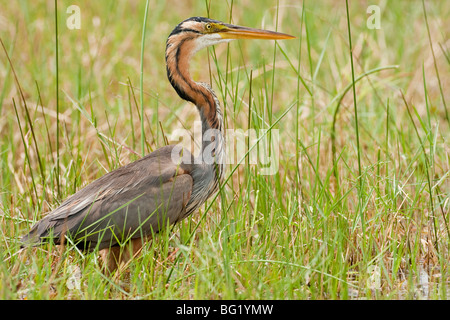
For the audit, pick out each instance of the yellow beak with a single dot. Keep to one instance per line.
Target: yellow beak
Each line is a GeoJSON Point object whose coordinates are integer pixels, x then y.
{"type": "Point", "coordinates": [230, 31]}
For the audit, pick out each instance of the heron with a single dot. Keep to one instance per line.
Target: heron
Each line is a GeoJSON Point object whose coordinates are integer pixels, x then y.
{"type": "Point", "coordinates": [129, 205]}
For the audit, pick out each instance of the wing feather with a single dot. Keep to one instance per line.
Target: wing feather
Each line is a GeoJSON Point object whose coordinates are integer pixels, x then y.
{"type": "Point", "coordinates": [137, 199]}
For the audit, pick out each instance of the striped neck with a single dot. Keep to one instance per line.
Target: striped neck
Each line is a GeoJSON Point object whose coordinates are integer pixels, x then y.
{"type": "Point", "coordinates": [213, 137]}
{"type": "Point", "coordinates": [179, 50]}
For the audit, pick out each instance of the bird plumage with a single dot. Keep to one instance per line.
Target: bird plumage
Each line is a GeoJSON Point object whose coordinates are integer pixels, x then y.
{"type": "Point", "coordinates": [143, 197]}
{"type": "Point", "coordinates": [134, 200]}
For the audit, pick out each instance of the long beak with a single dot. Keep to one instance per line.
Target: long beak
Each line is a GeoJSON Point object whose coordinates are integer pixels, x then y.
{"type": "Point", "coordinates": [237, 32]}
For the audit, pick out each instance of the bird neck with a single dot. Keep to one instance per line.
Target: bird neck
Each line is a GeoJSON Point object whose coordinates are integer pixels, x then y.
{"type": "Point", "coordinates": [177, 62]}
{"type": "Point", "coordinates": [213, 138]}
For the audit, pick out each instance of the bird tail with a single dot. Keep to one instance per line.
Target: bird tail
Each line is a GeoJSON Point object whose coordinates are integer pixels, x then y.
{"type": "Point", "coordinates": [38, 234]}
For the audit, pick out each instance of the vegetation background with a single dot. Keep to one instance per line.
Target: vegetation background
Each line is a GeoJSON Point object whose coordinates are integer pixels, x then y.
{"type": "Point", "coordinates": [359, 207]}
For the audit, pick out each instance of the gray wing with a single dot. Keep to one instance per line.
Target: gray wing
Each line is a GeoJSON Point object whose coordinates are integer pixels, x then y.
{"type": "Point", "coordinates": [136, 200]}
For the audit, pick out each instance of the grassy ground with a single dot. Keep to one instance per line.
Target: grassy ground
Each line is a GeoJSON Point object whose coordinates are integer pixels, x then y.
{"type": "Point", "coordinates": [359, 207]}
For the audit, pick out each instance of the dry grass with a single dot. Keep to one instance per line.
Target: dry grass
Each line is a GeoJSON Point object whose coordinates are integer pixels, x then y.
{"type": "Point", "coordinates": [317, 229]}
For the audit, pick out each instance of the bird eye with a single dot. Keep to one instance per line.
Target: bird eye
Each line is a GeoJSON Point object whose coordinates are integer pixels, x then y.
{"type": "Point", "coordinates": [208, 27]}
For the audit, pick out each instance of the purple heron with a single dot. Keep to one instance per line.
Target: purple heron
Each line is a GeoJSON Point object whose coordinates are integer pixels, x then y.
{"type": "Point", "coordinates": [126, 206]}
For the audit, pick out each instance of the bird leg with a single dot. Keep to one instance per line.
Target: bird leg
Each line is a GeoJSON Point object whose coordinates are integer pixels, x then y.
{"type": "Point", "coordinates": [118, 257]}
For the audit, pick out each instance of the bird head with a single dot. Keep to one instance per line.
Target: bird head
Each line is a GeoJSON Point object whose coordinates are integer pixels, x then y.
{"type": "Point", "coordinates": [194, 34]}
{"type": "Point", "coordinates": [204, 32]}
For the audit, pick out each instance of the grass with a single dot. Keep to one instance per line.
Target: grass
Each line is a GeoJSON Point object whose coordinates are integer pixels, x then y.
{"type": "Point", "coordinates": [325, 226]}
